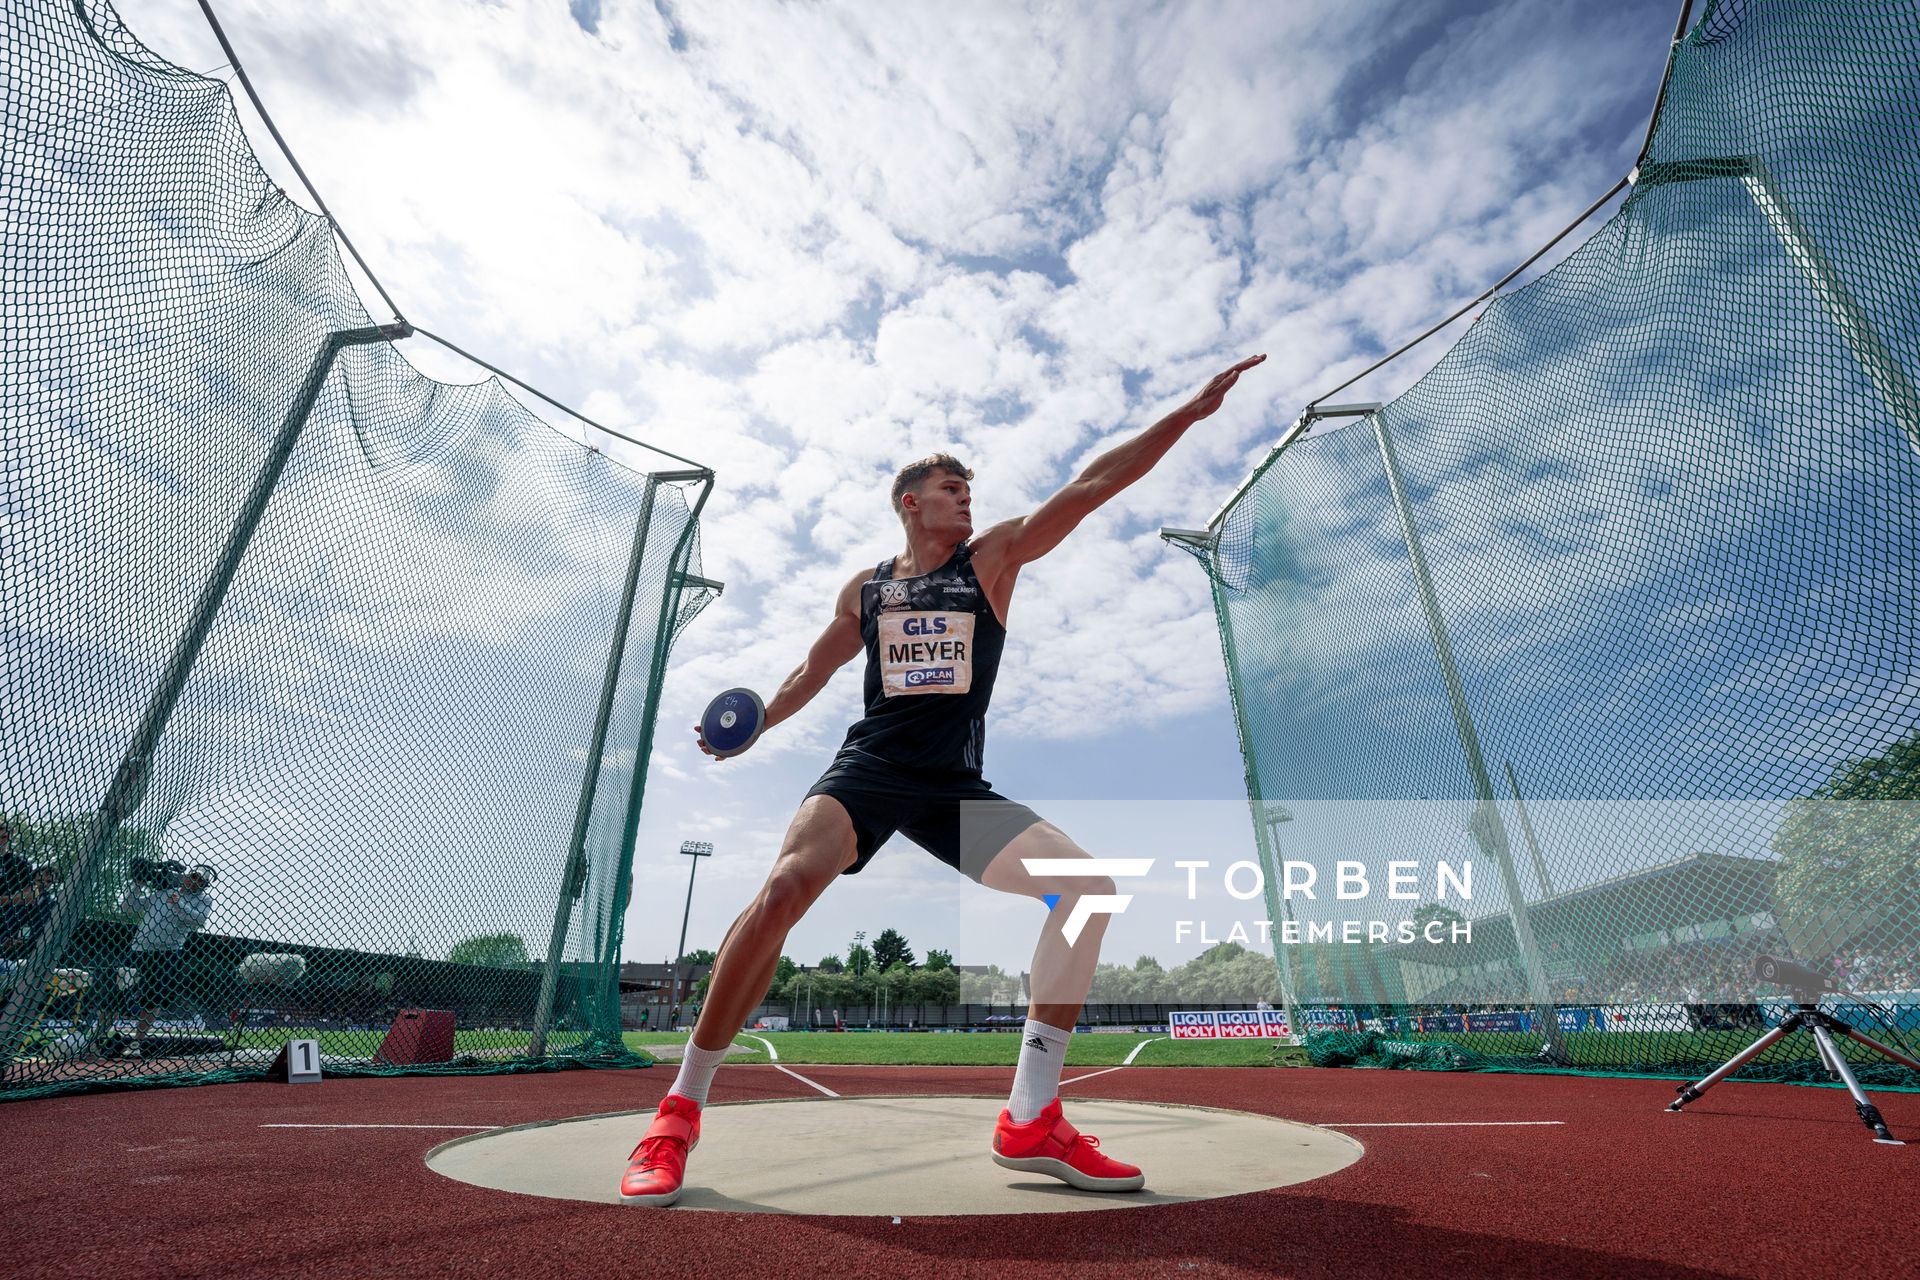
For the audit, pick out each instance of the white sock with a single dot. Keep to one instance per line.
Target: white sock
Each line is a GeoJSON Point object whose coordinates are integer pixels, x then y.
{"type": "Point", "coordinates": [1036, 1080]}
{"type": "Point", "coordinates": [696, 1072]}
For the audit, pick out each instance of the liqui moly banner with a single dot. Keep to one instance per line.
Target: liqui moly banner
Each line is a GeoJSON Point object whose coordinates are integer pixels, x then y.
{"type": "Point", "coordinates": [1228, 1024]}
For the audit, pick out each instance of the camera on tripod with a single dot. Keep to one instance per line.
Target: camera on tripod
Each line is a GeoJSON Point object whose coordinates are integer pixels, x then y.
{"type": "Point", "coordinates": [1805, 983]}
{"type": "Point", "coordinates": [155, 873]}
{"type": "Point", "coordinates": [1809, 986]}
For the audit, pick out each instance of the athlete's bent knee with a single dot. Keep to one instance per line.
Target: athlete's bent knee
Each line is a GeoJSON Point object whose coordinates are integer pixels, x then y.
{"type": "Point", "coordinates": [786, 897]}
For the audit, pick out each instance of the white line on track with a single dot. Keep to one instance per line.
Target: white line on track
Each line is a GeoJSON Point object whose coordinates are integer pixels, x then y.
{"type": "Point", "coordinates": [473, 1127]}
{"type": "Point", "coordinates": [1428, 1124]}
{"type": "Point", "coordinates": [803, 1080]}
{"type": "Point", "coordinates": [1137, 1048]}
{"type": "Point", "coordinates": [775, 1055]}
{"type": "Point", "coordinates": [1090, 1075]}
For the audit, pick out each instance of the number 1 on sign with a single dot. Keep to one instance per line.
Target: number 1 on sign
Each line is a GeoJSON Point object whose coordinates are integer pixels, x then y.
{"type": "Point", "coordinates": [303, 1062]}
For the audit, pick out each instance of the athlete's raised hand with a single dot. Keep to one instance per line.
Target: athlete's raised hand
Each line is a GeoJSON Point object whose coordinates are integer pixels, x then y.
{"type": "Point", "coordinates": [1210, 396]}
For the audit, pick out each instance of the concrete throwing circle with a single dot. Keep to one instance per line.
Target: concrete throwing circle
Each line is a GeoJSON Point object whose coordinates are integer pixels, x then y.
{"type": "Point", "coordinates": [920, 1157]}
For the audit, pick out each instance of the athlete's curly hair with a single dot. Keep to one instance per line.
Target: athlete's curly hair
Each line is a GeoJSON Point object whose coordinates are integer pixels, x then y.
{"type": "Point", "coordinates": [914, 472]}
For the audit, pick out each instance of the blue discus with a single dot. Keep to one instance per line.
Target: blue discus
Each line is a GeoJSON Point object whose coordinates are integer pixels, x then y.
{"type": "Point", "coordinates": [732, 721]}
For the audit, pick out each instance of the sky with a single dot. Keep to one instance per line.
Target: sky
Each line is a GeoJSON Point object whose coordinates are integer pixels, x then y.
{"type": "Point", "coordinates": [807, 244]}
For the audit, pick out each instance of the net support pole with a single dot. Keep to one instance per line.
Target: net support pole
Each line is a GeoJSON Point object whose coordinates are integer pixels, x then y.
{"type": "Point", "coordinates": [1262, 834]}
{"type": "Point", "coordinates": [1526, 828]}
{"type": "Point", "coordinates": [1203, 543]}
{"type": "Point", "coordinates": [573, 874]}
{"type": "Point", "coordinates": [1888, 376]}
{"type": "Point", "coordinates": [1885, 372]}
{"type": "Point", "coordinates": [1277, 905]}
{"type": "Point", "coordinates": [128, 786]}
{"type": "Point", "coordinates": [1489, 831]}
{"type": "Point", "coordinates": [656, 674]}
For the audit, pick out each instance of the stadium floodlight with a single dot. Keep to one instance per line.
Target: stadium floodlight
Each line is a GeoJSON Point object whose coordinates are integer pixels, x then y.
{"type": "Point", "coordinates": [695, 849]}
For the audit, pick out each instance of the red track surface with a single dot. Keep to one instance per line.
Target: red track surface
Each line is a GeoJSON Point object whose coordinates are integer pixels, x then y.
{"type": "Point", "coordinates": [1753, 1180]}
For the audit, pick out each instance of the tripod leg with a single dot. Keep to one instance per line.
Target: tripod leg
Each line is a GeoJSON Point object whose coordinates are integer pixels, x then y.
{"type": "Point", "coordinates": [1689, 1092]}
{"type": "Point", "coordinates": [1827, 1058]}
{"type": "Point", "coordinates": [1875, 1045]}
{"type": "Point", "coordinates": [1869, 1114]}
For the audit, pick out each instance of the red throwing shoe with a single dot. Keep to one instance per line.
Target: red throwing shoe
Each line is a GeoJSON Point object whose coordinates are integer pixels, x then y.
{"type": "Point", "coordinates": [658, 1165]}
{"type": "Point", "coordinates": [1048, 1144]}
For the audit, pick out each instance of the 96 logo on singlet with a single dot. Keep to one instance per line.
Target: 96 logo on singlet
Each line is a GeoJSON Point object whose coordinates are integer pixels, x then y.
{"type": "Point", "coordinates": [926, 651]}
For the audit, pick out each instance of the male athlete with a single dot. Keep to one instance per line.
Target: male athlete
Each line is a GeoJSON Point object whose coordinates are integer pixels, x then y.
{"type": "Point", "coordinates": [932, 621]}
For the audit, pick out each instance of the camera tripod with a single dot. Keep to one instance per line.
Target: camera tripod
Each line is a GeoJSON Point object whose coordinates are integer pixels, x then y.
{"type": "Point", "coordinates": [1823, 1027]}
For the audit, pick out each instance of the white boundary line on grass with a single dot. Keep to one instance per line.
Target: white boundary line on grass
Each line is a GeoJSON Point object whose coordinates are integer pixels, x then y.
{"type": "Point", "coordinates": [1137, 1048]}
{"type": "Point", "coordinates": [774, 1054]}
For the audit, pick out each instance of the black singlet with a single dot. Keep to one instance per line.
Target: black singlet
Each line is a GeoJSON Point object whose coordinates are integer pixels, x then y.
{"type": "Point", "coordinates": [933, 650]}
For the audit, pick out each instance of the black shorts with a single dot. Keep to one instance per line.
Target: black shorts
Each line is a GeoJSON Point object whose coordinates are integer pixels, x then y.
{"type": "Point", "coordinates": [956, 817]}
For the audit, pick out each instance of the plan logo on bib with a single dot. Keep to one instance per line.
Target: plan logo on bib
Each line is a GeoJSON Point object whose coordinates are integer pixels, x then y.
{"type": "Point", "coordinates": [924, 651]}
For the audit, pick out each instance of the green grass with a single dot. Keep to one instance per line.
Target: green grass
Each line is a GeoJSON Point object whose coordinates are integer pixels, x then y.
{"type": "Point", "coordinates": [363, 1044]}
{"type": "Point", "coordinates": [987, 1049]}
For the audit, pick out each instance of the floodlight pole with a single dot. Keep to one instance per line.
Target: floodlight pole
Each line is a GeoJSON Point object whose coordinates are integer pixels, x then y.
{"type": "Point", "coordinates": [129, 785]}
{"type": "Point", "coordinates": [1488, 830]}
{"type": "Point", "coordinates": [573, 871]}
{"type": "Point", "coordinates": [1888, 376]}
{"type": "Point", "coordinates": [695, 849]}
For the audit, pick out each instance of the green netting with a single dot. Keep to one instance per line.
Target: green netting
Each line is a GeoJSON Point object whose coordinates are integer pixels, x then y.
{"type": "Point", "coordinates": [410, 591]}
{"type": "Point", "coordinates": [1371, 1049]}
{"type": "Point", "coordinates": [1619, 600]}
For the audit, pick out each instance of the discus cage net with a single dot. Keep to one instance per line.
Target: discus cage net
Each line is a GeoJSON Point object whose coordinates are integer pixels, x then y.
{"type": "Point", "coordinates": [379, 655]}
{"type": "Point", "coordinates": [1619, 601]}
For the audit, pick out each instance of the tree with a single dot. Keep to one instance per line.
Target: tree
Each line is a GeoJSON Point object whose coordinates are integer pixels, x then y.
{"type": "Point", "coordinates": [938, 960]}
{"type": "Point", "coordinates": [933, 986]}
{"type": "Point", "coordinates": [783, 969]}
{"type": "Point", "coordinates": [992, 987]}
{"type": "Point", "coordinates": [57, 842]}
{"type": "Point", "coordinates": [1228, 973]}
{"type": "Point", "coordinates": [494, 950]}
{"type": "Point", "coordinates": [890, 948]}
{"type": "Point", "coordinates": [831, 964]}
{"type": "Point", "coordinates": [859, 959]}
{"type": "Point", "coordinates": [1850, 853]}
{"type": "Point", "coordinates": [702, 956]}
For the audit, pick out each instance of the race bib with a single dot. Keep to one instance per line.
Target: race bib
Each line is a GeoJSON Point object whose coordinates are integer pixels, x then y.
{"type": "Point", "coordinates": [926, 651]}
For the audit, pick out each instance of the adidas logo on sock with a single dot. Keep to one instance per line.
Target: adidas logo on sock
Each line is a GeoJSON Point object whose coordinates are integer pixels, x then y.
{"type": "Point", "coordinates": [1035, 1042]}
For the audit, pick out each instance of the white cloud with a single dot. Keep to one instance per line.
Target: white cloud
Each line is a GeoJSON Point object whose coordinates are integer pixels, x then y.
{"type": "Point", "coordinates": [814, 243]}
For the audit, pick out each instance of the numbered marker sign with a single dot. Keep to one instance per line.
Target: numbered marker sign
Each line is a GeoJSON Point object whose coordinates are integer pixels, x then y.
{"type": "Point", "coordinates": [300, 1060]}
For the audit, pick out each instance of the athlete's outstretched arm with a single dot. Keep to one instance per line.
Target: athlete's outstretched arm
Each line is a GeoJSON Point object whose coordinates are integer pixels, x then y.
{"type": "Point", "coordinates": [837, 645]}
{"type": "Point", "coordinates": [1016, 542]}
